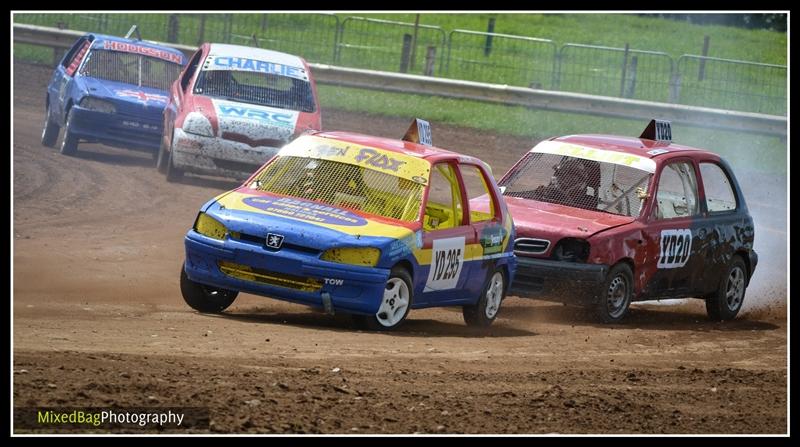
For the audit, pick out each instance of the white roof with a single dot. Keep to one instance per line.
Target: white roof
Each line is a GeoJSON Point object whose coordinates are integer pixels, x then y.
{"type": "Point", "coordinates": [223, 49]}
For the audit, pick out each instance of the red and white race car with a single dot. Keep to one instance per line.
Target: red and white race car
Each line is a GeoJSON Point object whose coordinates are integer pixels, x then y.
{"type": "Point", "coordinates": [232, 108]}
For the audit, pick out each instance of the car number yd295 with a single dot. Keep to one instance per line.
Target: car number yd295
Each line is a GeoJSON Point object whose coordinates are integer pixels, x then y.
{"type": "Point", "coordinates": [446, 262]}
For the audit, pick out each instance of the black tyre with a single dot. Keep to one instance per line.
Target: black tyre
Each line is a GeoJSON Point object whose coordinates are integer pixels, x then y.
{"type": "Point", "coordinates": [173, 174]}
{"type": "Point", "coordinates": [484, 312]}
{"type": "Point", "coordinates": [69, 144]}
{"type": "Point", "coordinates": [204, 298]}
{"type": "Point", "coordinates": [395, 303]}
{"type": "Point", "coordinates": [615, 297]}
{"type": "Point", "coordinates": [162, 158]}
{"type": "Point", "coordinates": [727, 301]}
{"type": "Point", "coordinates": [50, 130]}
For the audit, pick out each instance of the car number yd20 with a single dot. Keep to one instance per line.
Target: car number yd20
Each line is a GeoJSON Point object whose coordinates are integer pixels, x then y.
{"type": "Point", "coordinates": [676, 247]}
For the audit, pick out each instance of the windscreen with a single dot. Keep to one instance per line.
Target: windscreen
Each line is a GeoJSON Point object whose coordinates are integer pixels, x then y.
{"type": "Point", "coordinates": [579, 183]}
{"type": "Point", "coordinates": [130, 68]}
{"type": "Point", "coordinates": [257, 88]}
{"type": "Point", "coordinates": [342, 185]}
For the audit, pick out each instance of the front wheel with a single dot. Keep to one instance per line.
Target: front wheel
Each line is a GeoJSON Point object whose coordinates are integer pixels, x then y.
{"type": "Point", "coordinates": [205, 299]}
{"type": "Point", "coordinates": [50, 130]}
{"type": "Point", "coordinates": [172, 173]}
{"type": "Point", "coordinates": [484, 312]}
{"type": "Point", "coordinates": [69, 144]}
{"type": "Point", "coordinates": [395, 303]}
{"type": "Point", "coordinates": [162, 157]}
{"type": "Point", "coordinates": [726, 302]}
{"type": "Point", "coordinates": [615, 298]}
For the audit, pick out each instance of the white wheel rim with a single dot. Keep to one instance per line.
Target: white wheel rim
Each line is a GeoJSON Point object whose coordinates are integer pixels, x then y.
{"type": "Point", "coordinates": [394, 304]}
{"type": "Point", "coordinates": [494, 295]}
{"type": "Point", "coordinates": [734, 291]}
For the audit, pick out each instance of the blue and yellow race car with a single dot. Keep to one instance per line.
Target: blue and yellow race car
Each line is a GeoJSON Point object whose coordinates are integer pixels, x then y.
{"type": "Point", "coordinates": [357, 224]}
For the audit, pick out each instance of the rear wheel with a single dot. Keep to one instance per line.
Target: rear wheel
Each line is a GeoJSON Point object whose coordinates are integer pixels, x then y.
{"type": "Point", "coordinates": [173, 174]}
{"type": "Point", "coordinates": [50, 130]}
{"type": "Point", "coordinates": [395, 303]}
{"type": "Point", "coordinates": [727, 301]}
{"type": "Point", "coordinates": [69, 144]}
{"type": "Point", "coordinates": [616, 295]}
{"type": "Point", "coordinates": [484, 312]}
{"type": "Point", "coordinates": [162, 158]}
{"type": "Point", "coordinates": [203, 298]}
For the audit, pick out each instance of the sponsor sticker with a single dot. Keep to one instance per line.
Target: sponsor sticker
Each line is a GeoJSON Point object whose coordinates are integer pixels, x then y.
{"type": "Point", "coordinates": [447, 260]}
{"type": "Point", "coordinates": [263, 115]}
{"type": "Point", "coordinates": [676, 247]}
{"type": "Point", "coordinates": [141, 49]}
{"type": "Point", "coordinates": [141, 96]}
{"type": "Point", "coordinates": [303, 210]}
{"type": "Point", "coordinates": [246, 64]}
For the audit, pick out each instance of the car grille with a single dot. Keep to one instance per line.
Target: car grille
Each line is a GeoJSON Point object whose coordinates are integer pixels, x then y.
{"type": "Point", "coordinates": [262, 276]}
{"type": "Point", "coordinates": [262, 241]}
{"type": "Point", "coordinates": [531, 246]}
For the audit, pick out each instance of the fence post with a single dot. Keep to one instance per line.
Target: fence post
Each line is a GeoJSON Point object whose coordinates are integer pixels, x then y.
{"type": "Point", "coordinates": [172, 28]}
{"type": "Point", "coordinates": [430, 61]}
{"type": "Point", "coordinates": [632, 85]}
{"type": "Point", "coordinates": [489, 29]}
{"type": "Point", "coordinates": [414, 43]}
{"type": "Point", "coordinates": [624, 68]}
{"type": "Point", "coordinates": [226, 29]}
{"type": "Point", "coordinates": [701, 74]}
{"type": "Point", "coordinates": [405, 55]}
{"type": "Point", "coordinates": [263, 22]}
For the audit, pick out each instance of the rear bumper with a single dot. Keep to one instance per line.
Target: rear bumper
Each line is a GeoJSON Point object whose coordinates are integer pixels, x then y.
{"type": "Point", "coordinates": [116, 130]}
{"type": "Point", "coordinates": [217, 156]}
{"type": "Point", "coordinates": [561, 281]}
{"type": "Point", "coordinates": [753, 263]}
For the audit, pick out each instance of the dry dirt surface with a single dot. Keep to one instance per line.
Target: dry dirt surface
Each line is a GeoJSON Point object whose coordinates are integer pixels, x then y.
{"type": "Point", "coordinates": [98, 321]}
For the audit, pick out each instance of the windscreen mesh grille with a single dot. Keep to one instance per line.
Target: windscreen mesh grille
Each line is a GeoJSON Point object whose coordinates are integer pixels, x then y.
{"type": "Point", "coordinates": [130, 68]}
{"type": "Point", "coordinates": [579, 183]}
{"type": "Point", "coordinates": [257, 88]}
{"type": "Point", "coordinates": [342, 185]}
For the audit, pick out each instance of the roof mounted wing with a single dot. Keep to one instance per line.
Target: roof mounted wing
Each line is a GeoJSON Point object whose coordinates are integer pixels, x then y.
{"type": "Point", "coordinates": [658, 130]}
{"type": "Point", "coordinates": [419, 132]}
{"type": "Point", "coordinates": [134, 29]}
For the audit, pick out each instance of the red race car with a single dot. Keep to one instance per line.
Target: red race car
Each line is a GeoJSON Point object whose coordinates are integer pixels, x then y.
{"type": "Point", "coordinates": [232, 108]}
{"type": "Point", "coordinates": [606, 220]}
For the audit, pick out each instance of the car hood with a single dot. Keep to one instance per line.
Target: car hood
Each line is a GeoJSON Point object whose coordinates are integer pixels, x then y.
{"type": "Point", "coordinates": [118, 92]}
{"type": "Point", "coordinates": [304, 223]}
{"type": "Point", "coordinates": [253, 124]}
{"type": "Point", "coordinates": [554, 222]}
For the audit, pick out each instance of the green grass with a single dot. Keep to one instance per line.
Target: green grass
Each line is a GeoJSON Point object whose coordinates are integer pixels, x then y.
{"type": "Point", "coordinates": [744, 151]}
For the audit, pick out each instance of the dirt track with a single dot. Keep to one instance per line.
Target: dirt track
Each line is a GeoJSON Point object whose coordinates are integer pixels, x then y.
{"type": "Point", "coordinates": [99, 321]}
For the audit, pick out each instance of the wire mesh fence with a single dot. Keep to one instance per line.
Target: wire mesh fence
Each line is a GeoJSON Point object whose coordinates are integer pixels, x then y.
{"type": "Point", "coordinates": [608, 71]}
{"type": "Point", "coordinates": [731, 84]}
{"type": "Point", "coordinates": [462, 54]}
{"type": "Point", "coordinates": [500, 58]}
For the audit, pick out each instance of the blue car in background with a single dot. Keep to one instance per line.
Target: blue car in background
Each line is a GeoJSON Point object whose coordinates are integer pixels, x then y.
{"type": "Point", "coordinates": [110, 90]}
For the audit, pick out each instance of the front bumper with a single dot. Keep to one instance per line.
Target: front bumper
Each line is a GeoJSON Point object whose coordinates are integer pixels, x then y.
{"type": "Point", "coordinates": [217, 156]}
{"type": "Point", "coordinates": [560, 281]}
{"type": "Point", "coordinates": [116, 129]}
{"type": "Point", "coordinates": [352, 289]}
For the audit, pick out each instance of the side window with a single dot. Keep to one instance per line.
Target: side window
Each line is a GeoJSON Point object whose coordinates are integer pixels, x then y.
{"type": "Point", "coordinates": [444, 208]}
{"type": "Point", "coordinates": [677, 192]}
{"type": "Point", "coordinates": [481, 203]}
{"type": "Point", "coordinates": [73, 59]}
{"type": "Point", "coordinates": [190, 69]}
{"type": "Point", "coordinates": [719, 193]}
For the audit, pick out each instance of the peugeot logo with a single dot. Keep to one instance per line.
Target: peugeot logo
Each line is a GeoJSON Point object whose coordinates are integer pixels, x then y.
{"type": "Point", "coordinates": [274, 240]}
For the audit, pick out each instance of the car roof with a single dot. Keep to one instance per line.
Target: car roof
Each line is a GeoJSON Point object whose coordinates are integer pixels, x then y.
{"type": "Point", "coordinates": [430, 153]}
{"type": "Point", "coordinates": [99, 39]}
{"type": "Point", "coordinates": [224, 49]}
{"type": "Point", "coordinates": [630, 145]}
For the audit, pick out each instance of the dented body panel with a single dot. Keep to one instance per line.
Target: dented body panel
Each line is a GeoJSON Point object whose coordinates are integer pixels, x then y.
{"type": "Point", "coordinates": [221, 126]}
{"type": "Point", "coordinates": [671, 256]}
